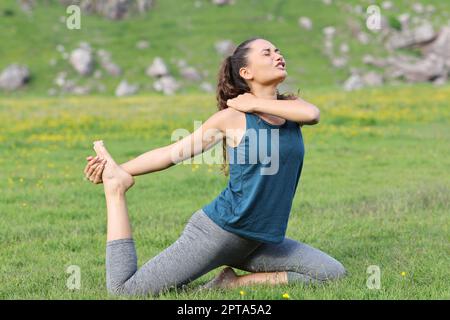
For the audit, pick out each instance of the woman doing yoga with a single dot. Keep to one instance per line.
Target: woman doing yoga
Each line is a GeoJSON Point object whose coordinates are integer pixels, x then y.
{"type": "Point", "coordinates": [244, 226]}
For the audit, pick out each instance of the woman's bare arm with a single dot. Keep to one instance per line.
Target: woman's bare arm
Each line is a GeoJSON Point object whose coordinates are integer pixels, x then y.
{"type": "Point", "coordinates": [205, 137]}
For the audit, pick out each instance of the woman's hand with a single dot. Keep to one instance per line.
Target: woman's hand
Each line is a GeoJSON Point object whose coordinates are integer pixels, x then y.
{"type": "Point", "coordinates": [94, 169]}
{"type": "Point", "coordinates": [243, 102]}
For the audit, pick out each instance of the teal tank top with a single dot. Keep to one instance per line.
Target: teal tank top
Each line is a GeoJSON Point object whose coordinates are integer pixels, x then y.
{"type": "Point", "coordinates": [264, 170]}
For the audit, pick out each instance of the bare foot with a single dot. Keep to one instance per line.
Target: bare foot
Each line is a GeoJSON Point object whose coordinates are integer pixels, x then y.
{"type": "Point", "coordinates": [115, 179]}
{"type": "Point", "coordinates": [225, 279]}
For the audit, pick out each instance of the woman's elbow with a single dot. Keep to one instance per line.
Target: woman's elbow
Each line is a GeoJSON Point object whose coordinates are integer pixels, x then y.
{"type": "Point", "coordinates": [315, 117]}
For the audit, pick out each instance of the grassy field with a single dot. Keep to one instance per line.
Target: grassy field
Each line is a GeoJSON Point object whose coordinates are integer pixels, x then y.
{"type": "Point", "coordinates": [374, 191]}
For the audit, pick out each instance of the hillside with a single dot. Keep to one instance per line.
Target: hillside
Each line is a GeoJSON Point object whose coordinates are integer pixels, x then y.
{"type": "Point", "coordinates": [188, 30]}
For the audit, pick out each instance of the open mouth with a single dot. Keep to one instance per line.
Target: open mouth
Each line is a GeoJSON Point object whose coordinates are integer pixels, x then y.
{"type": "Point", "coordinates": [281, 66]}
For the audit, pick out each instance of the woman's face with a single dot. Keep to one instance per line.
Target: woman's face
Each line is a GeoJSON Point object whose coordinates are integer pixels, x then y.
{"type": "Point", "coordinates": [264, 64]}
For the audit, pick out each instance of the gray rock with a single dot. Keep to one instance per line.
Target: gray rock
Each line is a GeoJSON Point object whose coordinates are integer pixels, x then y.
{"type": "Point", "coordinates": [80, 90]}
{"type": "Point", "coordinates": [190, 73]}
{"type": "Point", "coordinates": [225, 47]}
{"type": "Point", "coordinates": [143, 44]}
{"type": "Point", "coordinates": [158, 68]}
{"type": "Point", "coordinates": [441, 46]}
{"type": "Point", "coordinates": [407, 38]}
{"type": "Point", "coordinates": [377, 62]}
{"type": "Point", "coordinates": [27, 6]}
{"type": "Point", "coordinates": [166, 84]}
{"type": "Point", "coordinates": [386, 5]}
{"type": "Point", "coordinates": [339, 62]}
{"type": "Point", "coordinates": [222, 2]}
{"type": "Point", "coordinates": [329, 31]}
{"type": "Point", "coordinates": [418, 7]}
{"type": "Point", "coordinates": [363, 37]}
{"type": "Point", "coordinates": [372, 79]}
{"type": "Point", "coordinates": [82, 60]}
{"type": "Point", "coordinates": [107, 64]}
{"type": "Point", "coordinates": [206, 87]}
{"type": "Point", "coordinates": [14, 77]}
{"type": "Point", "coordinates": [111, 9]}
{"type": "Point", "coordinates": [305, 23]}
{"type": "Point", "coordinates": [126, 89]}
{"type": "Point", "coordinates": [419, 70]}
{"type": "Point", "coordinates": [354, 82]}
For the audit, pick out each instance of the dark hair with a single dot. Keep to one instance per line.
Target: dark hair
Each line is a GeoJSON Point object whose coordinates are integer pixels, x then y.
{"type": "Point", "coordinates": [230, 84]}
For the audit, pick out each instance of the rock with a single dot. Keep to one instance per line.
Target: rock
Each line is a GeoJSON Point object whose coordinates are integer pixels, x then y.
{"type": "Point", "coordinates": [181, 63]}
{"type": "Point", "coordinates": [222, 2]}
{"type": "Point", "coordinates": [60, 79]}
{"type": "Point", "coordinates": [107, 64]}
{"type": "Point", "coordinates": [97, 74]}
{"type": "Point", "coordinates": [166, 84]}
{"type": "Point", "coordinates": [408, 38]}
{"type": "Point", "coordinates": [81, 90]}
{"type": "Point", "coordinates": [354, 82]}
{"type": "Point", "coordinates": [419, 70]}
{"type": "Point", "coordinates": [329, 32]}
{"type": "Point", "coordinates": [344, 48]}
{"type": "Point", "coordinates": [404, 20]}
{"type": "Point", "coordinates": [305, 23]}
{"type": "Point", "coordinates": [418, 7]}
{"type": "Point", "coordinates": [430, 8]}
{"type": "Point", "coordinates": [441, 46]}
{"type": "Point", "coordinates": [363, 37]}
{"type": "Point", "coordinates": [225, 47]}
{"type": "Point", "coordinates": [441, 80]}
{"type": "Point", "coordinates": [143, 44]}
{"type": "Point", "coordinates": [111, 9]}
{"type": "Point", "coordinates": [206, 87]}
{"type": "Point", "coordinates": [326, 2]}
{"type": "Point", "coordinates": [14, 77]}
{"type": "Point", "coordinates": [158, 68]}
{"type": "Point", "coordinates": [370, 60]}
{"type": "Point", "coordinates": [82, 60]}
{"type": "Point", "coordinates": [372, 79]}
{"type": "Point", "coordinates": [386, 5]}
{"type": "Point", "coordinates": [339, 62]}
{"type": "Point", "coordinates": [27, 6]}
{"type": "Point", "coordinates": [190, 73]}
{"type": "Point", "coordinates": [126, 89]}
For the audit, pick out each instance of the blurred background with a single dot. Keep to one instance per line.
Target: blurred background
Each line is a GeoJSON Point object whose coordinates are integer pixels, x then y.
{"type": "Point", "coordinates": [125, 47]}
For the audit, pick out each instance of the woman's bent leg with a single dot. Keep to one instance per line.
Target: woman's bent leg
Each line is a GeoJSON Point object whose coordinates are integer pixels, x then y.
{"type": "Point", "coordinates": [202, 247]}
{"type": "Point", "coordinates": [302, 262]}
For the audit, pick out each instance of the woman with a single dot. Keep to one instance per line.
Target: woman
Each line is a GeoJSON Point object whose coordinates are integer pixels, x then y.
{"type": "Point", "coordinates": [244, 226]}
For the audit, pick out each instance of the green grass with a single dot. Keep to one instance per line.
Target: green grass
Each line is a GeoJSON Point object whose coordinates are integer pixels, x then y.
{"type": "Point", "coordinates": [374, 191]}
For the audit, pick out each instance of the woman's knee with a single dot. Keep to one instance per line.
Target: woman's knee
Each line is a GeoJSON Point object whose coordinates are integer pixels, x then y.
{"type": "Point", "coordinates": [334, 270]}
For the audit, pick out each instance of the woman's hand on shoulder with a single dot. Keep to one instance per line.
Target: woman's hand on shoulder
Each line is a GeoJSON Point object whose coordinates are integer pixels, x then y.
{"type": "Point", "coordinates": [243, 102]}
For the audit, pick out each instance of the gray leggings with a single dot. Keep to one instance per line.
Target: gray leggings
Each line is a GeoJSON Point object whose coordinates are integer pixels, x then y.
{"type": "Point", "coordinates": [204, 246]}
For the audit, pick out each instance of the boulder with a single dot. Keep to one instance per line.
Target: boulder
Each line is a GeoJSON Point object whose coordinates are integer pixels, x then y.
{"type": "Point", "coordinates": [14, 77]}
{"type": "Point", "coordinates": [82, 60]}
{"type": "Point", "coordinates": [157, 69]}
{"type": "Point", "coordinates": [167, 85]}
{"type": "Point", "coordinates": [126, 89]}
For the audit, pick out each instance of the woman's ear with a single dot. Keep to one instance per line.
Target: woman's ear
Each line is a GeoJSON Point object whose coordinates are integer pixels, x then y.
{"type": "Point", "coordinates": [245, 73]}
